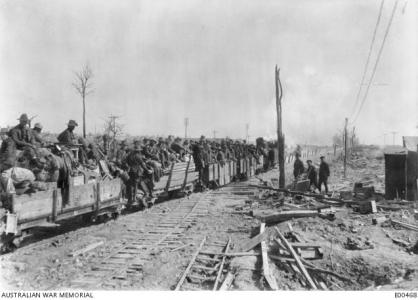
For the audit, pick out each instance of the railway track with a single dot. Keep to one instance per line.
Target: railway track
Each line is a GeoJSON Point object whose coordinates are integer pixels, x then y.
{"type": "Point", "coordinates": [206, 267]}
{"type": "Point", "coordinates": [122, 261]}
{"type": "Point", "coordinates": [163, 230]}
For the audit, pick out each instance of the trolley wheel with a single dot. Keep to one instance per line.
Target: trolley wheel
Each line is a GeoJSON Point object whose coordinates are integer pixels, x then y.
{"type": "Point", "coordinates": [7, 243]}
{"type": "Point", "coordinates": [115, 215]}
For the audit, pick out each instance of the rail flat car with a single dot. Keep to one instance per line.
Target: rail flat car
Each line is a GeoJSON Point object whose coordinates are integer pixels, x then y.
{"type": "Point", "coordinates": [22, 213]}
{"type": "Point", "coordinates": [92, 198]}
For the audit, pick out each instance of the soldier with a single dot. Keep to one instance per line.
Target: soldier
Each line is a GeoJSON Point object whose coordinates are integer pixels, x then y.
{"type": "Point", "coordinates": [270, 156]}
{"type": "Point", "coordinates": [67, 136]}
{"type": "Point", "coordinates": [177, 147]}
{"type": "Point", "coordinates": [163, 154]}
{"type": "Point", "coordinates": [21, 134]}
{"type": "Point", "coordinates": [136, 171]}
{"type": "Point", "coordinates": [311, 172]}
{"type": "Point", "coordinates": [220, 156]}
{"type": "Point", "coordinates": [197, 150]}
{"type": "Point", "coordinates": [323, 174]}
{"type": "Point", "coordinates": [298, 167]}
{"type": "Point", "coordinates": [121, 153]}
{"type": "Point", "coordinates": [37, 138]}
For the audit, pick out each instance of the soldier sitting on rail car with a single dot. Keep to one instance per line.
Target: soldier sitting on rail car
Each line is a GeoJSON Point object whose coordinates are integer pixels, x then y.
{"type": "Point", "coordinates": [163, 154]}
{"type": "Point", "coordinates": [67, 137]}
{"type": "Point", "coordinates": [21, 138]}
{"type": "Point", "coordinates": [37, 138]}
{"type": "Point", "coordinates": [177, 147]}
{"type": "Point", "coordinates": [150, 154]}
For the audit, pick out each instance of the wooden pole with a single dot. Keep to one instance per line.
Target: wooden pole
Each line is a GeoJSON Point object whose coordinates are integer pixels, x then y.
{"type": "Point", "coordinates": [186, 124]}
{"type": "Point", "coordinates": [280, 136]}
{"type": "Point", "coordinates": [345, 147]}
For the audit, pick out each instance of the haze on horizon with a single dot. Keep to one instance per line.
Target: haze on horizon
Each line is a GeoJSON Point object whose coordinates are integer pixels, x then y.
{"type": "Point", "coordinates": [156, 62]}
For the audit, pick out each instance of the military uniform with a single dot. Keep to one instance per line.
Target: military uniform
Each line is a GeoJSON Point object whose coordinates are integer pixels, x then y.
{"type": "Point", "coordinates": [67, 137]}
{"type": "Point", "coordinates": [311, 172]}
{"type": "Point", "coordinates": [323, 175]}
{"type": "Point", "coordinates": [298, 168]}
{"type": "Point", "coordinates": [21, 136]}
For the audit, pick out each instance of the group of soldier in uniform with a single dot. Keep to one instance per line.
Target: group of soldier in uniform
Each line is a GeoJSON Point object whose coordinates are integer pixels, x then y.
{"type": "Point", "coordinates": [324, 173]}
{"type": "Point", "coordinates": [142, 162]}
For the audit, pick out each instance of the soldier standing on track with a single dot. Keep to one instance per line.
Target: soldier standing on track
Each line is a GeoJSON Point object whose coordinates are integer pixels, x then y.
{"type": "Point", "coordinates": [311, 174]}
{"type": "Point", "coordinates": [323, 174]}
{"type": "Point", "coordinates": [298, 167]}
{"type": "Point", "coordinates": [137, 176]}
{"type": "Point", "coordinates": [67, 136]}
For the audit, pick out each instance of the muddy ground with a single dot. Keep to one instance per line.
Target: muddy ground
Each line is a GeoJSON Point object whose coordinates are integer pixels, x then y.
{"type": "Point", "coordinates": [43, 262]}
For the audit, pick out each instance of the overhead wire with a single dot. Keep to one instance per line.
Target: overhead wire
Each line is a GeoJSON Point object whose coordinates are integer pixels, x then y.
{"type": "Point", "coordinates": [377, 61]}
{"type": "Point", "coordinates": [366, 66]}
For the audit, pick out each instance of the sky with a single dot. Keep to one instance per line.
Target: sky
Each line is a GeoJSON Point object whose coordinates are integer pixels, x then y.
{"type": "Point", "coordinates": [156, 62]}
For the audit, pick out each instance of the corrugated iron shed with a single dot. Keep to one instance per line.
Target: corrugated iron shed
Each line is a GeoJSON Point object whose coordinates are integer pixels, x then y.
{"type": "Point", "coordinates": [395, 150]}
{"type": "Point", "coordinates": [410, 143]}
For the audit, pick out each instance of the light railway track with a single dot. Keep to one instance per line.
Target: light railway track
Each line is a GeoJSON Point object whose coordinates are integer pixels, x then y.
{"type": "Point", "coordinates": [206, 267]}
{"type": "Point", "coordinates": [161, 231]}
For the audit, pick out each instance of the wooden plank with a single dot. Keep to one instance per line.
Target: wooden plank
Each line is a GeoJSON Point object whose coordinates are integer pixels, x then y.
{"type": "Point", "coordinates": [404, 225]}
{"type": "Point", "coordinates": [248, 167]}
{"type": "Point", "coordinates": [297, 259]}
{"type": "Point", "coordinates": [227, 176]}
{"type": "Point", "coordinates": [31, 206]}
{"type": "Point", "coordinates": [86, 249]}
{"type": "Point", "coordinates": [186, 173]}
{"type": "Point", "coordinates": [215, 172]}
{"type": "Point", "coordinates": [304, 246]}
{"type": "Point", "coordinates": [229, 279]}
{"type": "Point", "coordinates": [266, 268]}
{"type": "Point", "coordinates": [161, 184]}
{"type": "Point", "coordinates": [186, 272]}
{"type": "Point", "coordinates": [218, 276]}
{"type": "Point", "coordinates": [230, 253]}
{"type": "Point", "coordinates": [284, 215]}
{"type": "Point", "coordinates": [250, 244]}
{"type": "Point", "coordinates": [54, 205]}
{"type": "Point", "coordinates": [309, 266]}
{"type": "Point", "coordinates": [169, 178]}
{"type": "Point", "coordinates": [81, 195]}
{"type": "Point", "coordinates": [221, 175]}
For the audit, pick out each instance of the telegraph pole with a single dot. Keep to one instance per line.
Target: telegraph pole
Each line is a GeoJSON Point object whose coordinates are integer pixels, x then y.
{"type": "Point", "coordinates": [280, 136]}
{"type": "Point", "coordinates": [247, 128]}
{"type": "Point", "coordinates": [345, 147]}
{"type": "Point", "coordinates": [186, 124]}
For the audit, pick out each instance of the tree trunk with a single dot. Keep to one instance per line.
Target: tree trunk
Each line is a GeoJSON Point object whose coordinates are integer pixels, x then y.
{"type": "Point", "coordinates": [84, 116]}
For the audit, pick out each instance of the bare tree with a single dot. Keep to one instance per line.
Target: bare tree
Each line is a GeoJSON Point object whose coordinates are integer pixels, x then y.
{"type": "Point", "coordinates": [83, 86]}
{"type": "Point", "coordinates": [113, 130]}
